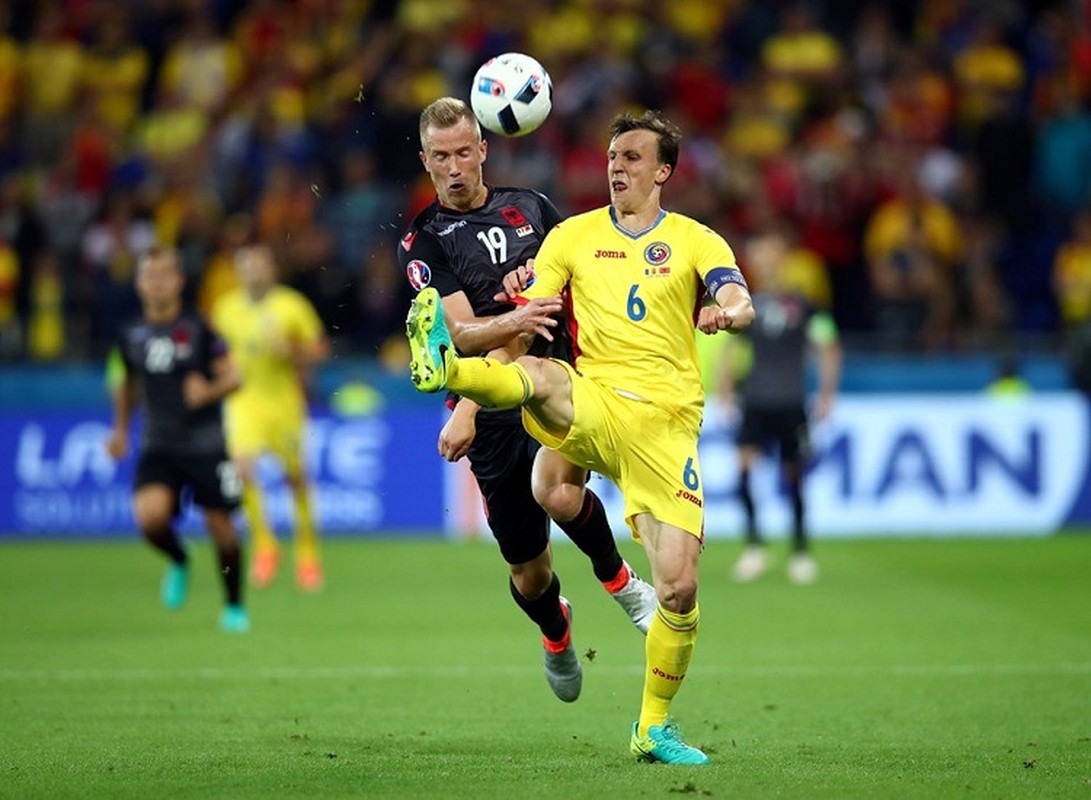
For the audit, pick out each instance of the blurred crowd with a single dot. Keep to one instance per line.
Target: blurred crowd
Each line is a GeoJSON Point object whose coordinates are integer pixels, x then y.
{"type": "Point", "coordinates": [929, 160]}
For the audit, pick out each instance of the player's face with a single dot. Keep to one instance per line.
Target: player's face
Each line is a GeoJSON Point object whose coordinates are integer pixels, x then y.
{"type": "Point", "coordinates": [159, 282]}
{"type": "Point", "coordinates": [634, 170]}
{"type": "Point", "coordinates": [255, 268]}
{"type": "Point", "coordinates": [453, 157]}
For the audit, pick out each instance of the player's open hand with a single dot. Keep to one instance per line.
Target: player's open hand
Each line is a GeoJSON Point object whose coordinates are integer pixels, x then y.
{"type": "Point", "coordinates": [458, 433]}
{"type": "Point", "coordinates": [196, 390]}
{"type": "Point", "coordinates": [516, 281]}
{"type": "Point", "coordinates": [535, 316]}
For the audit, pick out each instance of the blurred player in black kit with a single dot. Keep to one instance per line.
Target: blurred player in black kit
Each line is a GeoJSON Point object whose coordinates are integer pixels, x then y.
{"type": "Point", "coordinates": [181, 368]}
{"type": "Point", "coordinates": [463, 244]}
{"type": "Point", "coordinates": [773, 396]}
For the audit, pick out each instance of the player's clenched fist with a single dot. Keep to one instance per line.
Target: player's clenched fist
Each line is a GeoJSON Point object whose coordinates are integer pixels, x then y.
{"type": "Point", "coordinates": [712, 319]}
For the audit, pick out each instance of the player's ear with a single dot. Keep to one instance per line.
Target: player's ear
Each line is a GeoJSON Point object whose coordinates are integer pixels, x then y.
{"type": "Point", "coordinates": [423, 158]}
{"type": "Point", "coordinates": [663, 173]}
{"type": "Point", "coordinates": [484, 150]}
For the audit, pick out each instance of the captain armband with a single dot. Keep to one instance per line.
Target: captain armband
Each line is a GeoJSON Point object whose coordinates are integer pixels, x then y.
{"type": "Point", "coordinates": [719, 277]}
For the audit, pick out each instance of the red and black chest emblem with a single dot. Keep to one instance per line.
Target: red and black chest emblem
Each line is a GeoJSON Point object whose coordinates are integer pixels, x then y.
{"type": "Point", "coordinates": [513, 216]}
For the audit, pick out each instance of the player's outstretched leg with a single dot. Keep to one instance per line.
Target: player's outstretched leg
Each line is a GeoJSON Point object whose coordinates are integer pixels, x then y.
{"type": "Point", "coordinates": [434, 364]}
{"type": "Point", "coordinates": [664, 743]}
{"type": "Point", "coordinates": [430, 343]}
{"type": "Point", "coordinates": [562, 665]}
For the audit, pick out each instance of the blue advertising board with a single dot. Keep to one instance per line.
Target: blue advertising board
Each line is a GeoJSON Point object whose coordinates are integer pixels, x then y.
{"type": "Point", "coordinates": [371, 474]}
{"type": "Point", "coordinates": [885, 465]}
{"type": "Point", "coordinates": [965, 464]}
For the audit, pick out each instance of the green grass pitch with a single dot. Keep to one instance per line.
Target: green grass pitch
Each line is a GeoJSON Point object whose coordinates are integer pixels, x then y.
{"type": "Point", "coordinates": [912, 669]}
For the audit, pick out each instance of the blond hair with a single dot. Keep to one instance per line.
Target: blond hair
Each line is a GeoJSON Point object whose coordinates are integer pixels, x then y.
{"type": "Point", "coordinates": [446, 112]}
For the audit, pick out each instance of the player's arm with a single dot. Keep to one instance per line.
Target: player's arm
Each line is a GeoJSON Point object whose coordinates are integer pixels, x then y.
{"type": "Point", "coordinates": [724, 282]}
{"type": "Point", "coordinates": [459, 431]}
{"type": "Point", "coordinates": [734, 310]}
{"type": "Point", "coordinates": [199, 390]}
{"type": "Point", "coordinates": [124, 394]}
{"type": "Point", "coordinates": [426, 264]}
{"type": "Point", "coordinates": [308, 355]}
{"type": "Point", "coordinates": [822, 333]}
{"type": "Point", "coordinates": [473, 334]}
{"type": "Point", "coordinates": [307, 346]}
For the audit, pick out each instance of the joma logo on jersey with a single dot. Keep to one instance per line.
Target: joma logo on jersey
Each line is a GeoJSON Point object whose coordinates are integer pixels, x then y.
{"type": "Point", "coordinates": [657, 671]}
{"type": "Point", "coordinates": [691, 497]}
{"type": "Point", "coordinates": [610, 254]}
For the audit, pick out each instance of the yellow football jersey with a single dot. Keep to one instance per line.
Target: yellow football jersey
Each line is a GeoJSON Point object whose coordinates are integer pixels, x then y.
{"type": "Point", "coordinates": [258, 334]}
{"type": "Point", "coordinates": [634, 299]}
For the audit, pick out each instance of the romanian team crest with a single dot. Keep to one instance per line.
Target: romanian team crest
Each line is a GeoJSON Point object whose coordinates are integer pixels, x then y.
{"type": "Point", "coordinates": [657, 253]}
{"type": "Point", "coordinates": [419, 274]}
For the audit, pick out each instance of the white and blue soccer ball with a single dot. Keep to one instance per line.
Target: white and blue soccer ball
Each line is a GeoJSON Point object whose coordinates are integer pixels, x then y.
{"type": "Point", "coordinates": [511, 94]}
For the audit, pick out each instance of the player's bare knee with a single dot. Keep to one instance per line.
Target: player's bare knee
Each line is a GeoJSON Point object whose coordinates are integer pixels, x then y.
{"type": "Point", "coordinates": [153, 523]}
{"type": "Point", "coordinates": [562, 501]}
{"type": "Point", "coordinates": [678, 595]}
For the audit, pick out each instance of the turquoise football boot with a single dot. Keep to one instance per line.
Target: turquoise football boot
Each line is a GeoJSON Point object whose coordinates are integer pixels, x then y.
{"type": "Point", "coordinates": [664, 744]}
{"type": "Point", "coordinates": [430, 345]}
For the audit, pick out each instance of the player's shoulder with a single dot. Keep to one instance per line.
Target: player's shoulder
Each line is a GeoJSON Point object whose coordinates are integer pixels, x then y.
{"type": "Point", "coordinates": [228, 302]}
{"type": "Point", "coordinates": [418, 237]}
{"type": "Point", "coordinates": [282, 293]}
{"type": "Point", "coordinates": [132, 328]}
{"type": "Point", "coordinates": [194, 319]}
{"type": "Point", "coordinates": [421, 221]}
{"type": "Point", "coordinates": [192, 326]}
{"type": "Point", "coordinates": [693, 230]}
{"type": "Point", "coordinates": [688, 224]}
{"type": "Point", "coordinates": [595, 218]}
{"type": "Point", "coordinates": [505, 194]}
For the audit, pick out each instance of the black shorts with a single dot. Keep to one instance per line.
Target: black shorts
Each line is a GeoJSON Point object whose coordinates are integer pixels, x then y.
{"type": "Point", "coordinates": [210, 480]}
{"type": "Point", "coordinates": [501, 459]}
{"type": "Point", "coordinates": [786, 428]}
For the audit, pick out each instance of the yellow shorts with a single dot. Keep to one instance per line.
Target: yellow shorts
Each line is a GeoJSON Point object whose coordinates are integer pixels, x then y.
{"type": "Point", "coordinates": [253, 429]}
{"type": "Point", "coordinates": [649, 452]}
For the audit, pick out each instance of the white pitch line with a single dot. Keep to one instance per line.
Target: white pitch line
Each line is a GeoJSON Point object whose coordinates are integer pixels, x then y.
{"type": "Point", "coordinates": [378, 672]}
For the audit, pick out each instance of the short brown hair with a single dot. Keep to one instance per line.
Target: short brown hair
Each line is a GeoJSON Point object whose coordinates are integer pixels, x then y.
{"type": "Point", "coordinates": [445, 113]}
{"type": "Point", "coordinates": [157, 252]}
{"type": "Point", "coordinates": [669, 135]}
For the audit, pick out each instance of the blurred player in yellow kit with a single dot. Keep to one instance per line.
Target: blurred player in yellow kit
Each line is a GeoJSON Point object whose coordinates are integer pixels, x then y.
{"type": "Point", "coordinates": [277, 339]}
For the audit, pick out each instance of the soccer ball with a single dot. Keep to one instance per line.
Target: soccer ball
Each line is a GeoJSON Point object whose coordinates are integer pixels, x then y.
{"type": "Point", "coordinates": [511, 94]}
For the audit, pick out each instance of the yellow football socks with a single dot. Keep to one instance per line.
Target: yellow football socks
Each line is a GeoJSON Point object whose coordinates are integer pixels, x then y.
{"type": "Point", "coordinates": [489, 383]}
{"type": "Point", "coordinates": [667, 650]}
{"type": "Point", "coordinates": [306, 535]}
{"type": "Point", "coordinates": [261, 538]}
